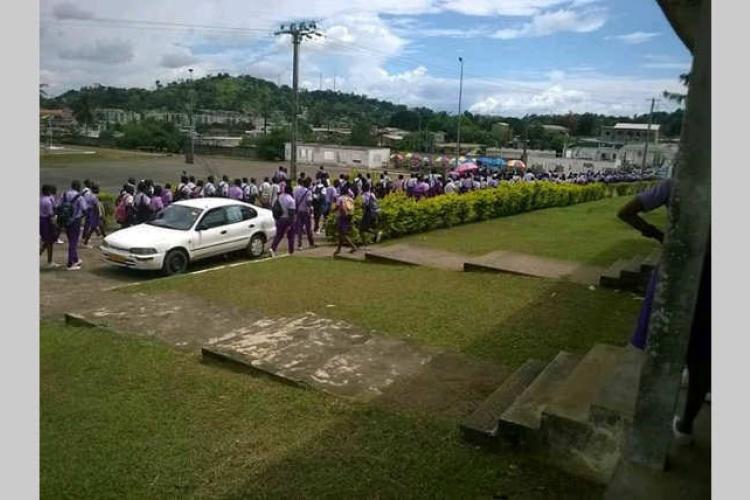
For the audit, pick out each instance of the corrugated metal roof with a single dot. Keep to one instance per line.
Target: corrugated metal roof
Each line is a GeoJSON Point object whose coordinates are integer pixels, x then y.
{"type": "Point", "coordinates": [635, 126]}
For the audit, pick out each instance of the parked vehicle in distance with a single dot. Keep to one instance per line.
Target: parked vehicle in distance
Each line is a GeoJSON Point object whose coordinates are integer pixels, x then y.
{"type": "Point", "coordinates": [191, 230]}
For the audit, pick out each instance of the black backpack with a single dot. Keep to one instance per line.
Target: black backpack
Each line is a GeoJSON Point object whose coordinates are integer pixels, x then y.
{"type": "Point", "coordinates": [65, 210]}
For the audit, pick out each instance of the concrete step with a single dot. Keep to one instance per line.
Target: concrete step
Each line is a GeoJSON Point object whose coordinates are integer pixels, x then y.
{"type": "Point", "coordinates": [522, 420]}
{"type": "Point", "coordinates": [573, 400]}
{"type": "Point", "coordinates": [632, 269]}
{"type": "Point", "coordinates": [651, 261]}
{"type": "Point", "coordinates": [615, 401]}
{"type": "Point", "coordinates": [610, 278]}
{"type": "Point", "coordinates": [481, 426]}
{"type": "Point", "coordinates": [571, 440]}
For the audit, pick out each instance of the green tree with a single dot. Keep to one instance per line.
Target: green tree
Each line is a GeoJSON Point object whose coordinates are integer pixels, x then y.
{"type": "Point", "coordinates": [271, 146]}
{"type": "Point", "coordinates": [83, 109]}
{"type": "Point", "coordinates": [361, 134]}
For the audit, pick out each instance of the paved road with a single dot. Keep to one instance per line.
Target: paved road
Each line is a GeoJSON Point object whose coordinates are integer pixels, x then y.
{"type": "Point", "coordinates": [111, 174]}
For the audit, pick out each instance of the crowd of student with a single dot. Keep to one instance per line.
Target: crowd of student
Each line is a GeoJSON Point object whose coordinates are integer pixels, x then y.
{"type": "Point", "coordinates": [77, 212]}
{"type": "Point", "coordinates": [300, 207]}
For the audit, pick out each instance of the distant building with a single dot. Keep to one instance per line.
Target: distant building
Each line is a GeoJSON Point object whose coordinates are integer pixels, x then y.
{"type": "Point", "coordinates": [112, 116]}
{"type": "Point", "coordinates": [556, 129]}
{"type": "Point", "coordinates": [226, 142]}
{"type": "Point", "coordinates": [626, 133]}
{"type": "Point", "coordinates": [591, 149]}
{"type": "Point", "coordinates": [658, 154]}
{"type": "Point", "coordinates": [333, 154]}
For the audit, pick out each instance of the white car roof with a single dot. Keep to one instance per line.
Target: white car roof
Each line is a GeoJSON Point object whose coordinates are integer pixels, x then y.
{"type": "Point", "coordinates": [208, 203]}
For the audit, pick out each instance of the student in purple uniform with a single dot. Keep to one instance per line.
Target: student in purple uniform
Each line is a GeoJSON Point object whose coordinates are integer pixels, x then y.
{"type": "Point", "coordinates": [284, 222]}
{"type": "Point", "coordinates": [157, 203]}
{"type": "Point", "coordinates": [369, 216]}
{"type": "Point", "coordinates": [234, 191]}
{"type": "Point", "coordinates": [92, 215]}
{"type": "Point", "coordinates": [166, 195]}
{"type": "Point", "coordinates": [73, 225]}
{"type": "Point", "coordinates": [48, 231]}
{"type": "Point", "coordinates": [344, 211]}
{"type": "Point", "coordinates": [142, 204]}
{"type": "Point", "coordinates": [303, 198]}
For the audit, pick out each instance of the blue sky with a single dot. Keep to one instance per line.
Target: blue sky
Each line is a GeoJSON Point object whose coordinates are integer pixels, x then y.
{"type": "Point", "coordinates": [521, 56]}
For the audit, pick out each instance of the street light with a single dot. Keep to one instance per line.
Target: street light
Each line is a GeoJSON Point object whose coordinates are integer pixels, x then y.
{"type": "Point", "coordinates": [190, 150]}
{"type": "Point", "coordinates": [460, 91]}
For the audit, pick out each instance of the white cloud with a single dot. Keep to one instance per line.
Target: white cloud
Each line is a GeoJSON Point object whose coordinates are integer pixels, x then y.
{"type": "Point", "coordinates": [498, 7]}
{"type": "Point", "coordinates": [101, 51]}
{"type": "Point", "coordinates": [177, 60]}
{"type": "Point", "coordinates": [635, 38]}
{"type": "Point", "coordinates": [683, 66]}
{"type": "Point", "coordinates": [563, 20]}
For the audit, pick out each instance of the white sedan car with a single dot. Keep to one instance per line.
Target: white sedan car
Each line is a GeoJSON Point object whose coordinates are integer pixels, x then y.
{"type": "Point", "coordinates": [190, 230]}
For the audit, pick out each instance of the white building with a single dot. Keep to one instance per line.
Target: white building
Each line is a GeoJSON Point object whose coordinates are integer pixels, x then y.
{"type": "Point", "coordinates": [332, 154]}
{"type": "Point", "coordinates": [626, 133]}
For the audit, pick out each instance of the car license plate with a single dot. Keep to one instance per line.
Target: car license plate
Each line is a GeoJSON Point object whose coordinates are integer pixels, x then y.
{"type": "Point", "coordinates": [117, 258]}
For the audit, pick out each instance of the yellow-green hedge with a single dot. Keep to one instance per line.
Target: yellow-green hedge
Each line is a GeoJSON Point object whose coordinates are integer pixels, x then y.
{"type": "Point", "coordinates": [401, 215]}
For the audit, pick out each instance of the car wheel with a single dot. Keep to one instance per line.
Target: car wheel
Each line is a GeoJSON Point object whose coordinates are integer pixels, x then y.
{"type": "Point", "coordinates": [175, 262]}
{"type": "Point", "coordinates": [256, 246]}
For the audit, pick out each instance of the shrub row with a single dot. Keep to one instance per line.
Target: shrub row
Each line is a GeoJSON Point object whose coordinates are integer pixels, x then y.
{"type": "Point", "coordinates": [401, 216]}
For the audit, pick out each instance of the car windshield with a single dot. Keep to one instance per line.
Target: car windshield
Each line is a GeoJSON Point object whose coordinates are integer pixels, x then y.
{"type": "Point", "coordinates": [176, 217]}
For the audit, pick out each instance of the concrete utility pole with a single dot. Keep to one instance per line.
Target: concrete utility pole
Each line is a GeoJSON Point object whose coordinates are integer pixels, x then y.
{"type": "Point", "coordinates": [648, 135]}
{"type": "Point", "coordinates": [300, 30]}
{"type": "Point", "coordinates": [190, 150]}
{"type": "Point", "coordinates": [460, 91]}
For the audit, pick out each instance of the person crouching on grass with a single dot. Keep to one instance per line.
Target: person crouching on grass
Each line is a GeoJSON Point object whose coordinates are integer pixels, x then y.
{"type": "Point", "coordinates": [344, 212]}
{"type": "Point", "coordinates": [284, 213]}
{"type": "Point", "coordinates": [47, 229]}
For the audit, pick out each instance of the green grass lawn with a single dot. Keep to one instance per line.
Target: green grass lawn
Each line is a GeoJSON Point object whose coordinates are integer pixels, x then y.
{"type": "Point", "coordinates": [127, 418]}
{"type": "Point", "coordinates": [589, 232]}
{"type": "Point", "coordinates": [500, 317]}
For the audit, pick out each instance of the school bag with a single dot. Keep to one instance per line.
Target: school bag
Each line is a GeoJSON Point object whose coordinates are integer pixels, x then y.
{"type": "Point", "coordinates": [121, 211]}
{"type": "Point", "coordinates": [347, 205]}
{"type": "Point", "coordinates": [372, 205]}
{"type": "Point", "coordinates": [65, 210]}
{"type": "Point", "coordinates": [319, 195]}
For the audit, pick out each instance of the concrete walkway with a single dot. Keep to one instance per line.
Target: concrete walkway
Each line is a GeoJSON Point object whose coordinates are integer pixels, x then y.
{"type": "Point", "coordinates": [416, 256]}
{"type": "Point", "coordinates": [531, 265]}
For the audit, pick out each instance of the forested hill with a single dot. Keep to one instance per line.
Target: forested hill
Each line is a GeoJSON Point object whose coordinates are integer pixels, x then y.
{"type": "Point", "coordinates": [263, 98]}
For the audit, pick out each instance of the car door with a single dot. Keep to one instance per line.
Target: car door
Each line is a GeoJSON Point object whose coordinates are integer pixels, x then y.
{"type": "Point", "coordinates": [211, 232]}
{"type": "Point", "coordinates": [239, 226]}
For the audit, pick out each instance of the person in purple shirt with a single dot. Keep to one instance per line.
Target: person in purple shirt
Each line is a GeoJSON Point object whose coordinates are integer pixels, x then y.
{"type": "Point", "coordinates": [344, 222]}
{"type": "Point", "coordinates": [47, 230]}
{"type": "Point", "coordinates": [92, 214]}
{"type": "Point", "coordinates": [166, 195]}
{"type": "Point", "coordinates": [156, 204]}
{"type": "Point", "coordinates": [370, 214]}
{"type": "Point", "coordinates": [285, 223]}
{"type": "Point", "coordinates": [303, 198]}
{"type": "Point", "coordinates": [235, 190]}
{"type": "Point", "coordinates": [73, 226]}
{"type": "Point", "coordinates": [698, 358]}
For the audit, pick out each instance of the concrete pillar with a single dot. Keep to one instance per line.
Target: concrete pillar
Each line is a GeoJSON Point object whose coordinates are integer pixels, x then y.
{"type": "Point", "coordinates": [682, 262]}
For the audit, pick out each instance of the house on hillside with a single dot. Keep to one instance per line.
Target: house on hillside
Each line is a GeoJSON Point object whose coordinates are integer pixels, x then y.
{"type": "Point", "coordinates": [334, 154]}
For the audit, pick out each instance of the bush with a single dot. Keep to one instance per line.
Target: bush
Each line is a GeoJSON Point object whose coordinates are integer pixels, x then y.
{"type": "Point", "coordinates": [401, 215]}
{"type": "Point", "coordinates": [108, 201]}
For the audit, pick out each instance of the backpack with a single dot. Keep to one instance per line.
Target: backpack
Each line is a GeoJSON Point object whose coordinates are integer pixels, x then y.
{"type": "Point", "coordinates": [372, 205]}
{"type": "Point", "coordinates": [65, 210]}
{"type": "Point", "coordinates": [121, 211]}
{"type": "Point", "coordinates": [347, 205]}
{"type": "Point", "coordinates": [319, 195]}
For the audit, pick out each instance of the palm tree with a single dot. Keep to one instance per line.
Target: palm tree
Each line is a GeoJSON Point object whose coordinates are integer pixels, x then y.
{"type": "Point", "coordinates": [677, 97]}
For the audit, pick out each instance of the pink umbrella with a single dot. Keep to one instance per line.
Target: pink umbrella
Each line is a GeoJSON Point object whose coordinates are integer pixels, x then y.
{"type": "Point", "coordinates": [466, 167]}
{"type": "Point", "coordinates": [516, 164]}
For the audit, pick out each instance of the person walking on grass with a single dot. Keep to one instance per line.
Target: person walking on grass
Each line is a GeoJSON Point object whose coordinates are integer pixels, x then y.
{"type": "Point", "coordinates": [48, 231]}
{"type": "Point", "coordinates": [303, 199]}
{"type": "Point", "coordinates": [344, 212]}
{"type": "Point", "coordinates": [70, 212]}
{"type": "Point", "coordinates": [698, 359]}
{"type": "Point", "coordinates": [283, 211]}
{"type": "Point", "coordinates": [370, 215]}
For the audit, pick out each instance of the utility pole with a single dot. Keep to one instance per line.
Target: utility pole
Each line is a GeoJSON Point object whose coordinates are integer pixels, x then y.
{"type": "Point", "coordinates": [460, 91]}
{"type": "Point", "coordinates": [334, 82]}
{"type": "Point", "coordinates": [300, 30]}
{"type": "Point", "coordinates": [189, 151]}
{"type": "Point", "coordinates": [525, 155]}
{"type": "Point", "coordinates": [320, 82]}
{"type": "Point", "coordinates": [648, 135]}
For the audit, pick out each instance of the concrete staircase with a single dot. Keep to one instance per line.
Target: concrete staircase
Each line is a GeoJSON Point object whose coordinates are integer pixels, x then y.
{"type": "Point", "coordinates": [630, 274]}
{"type": "Point", "coordinates": [574, 411]}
